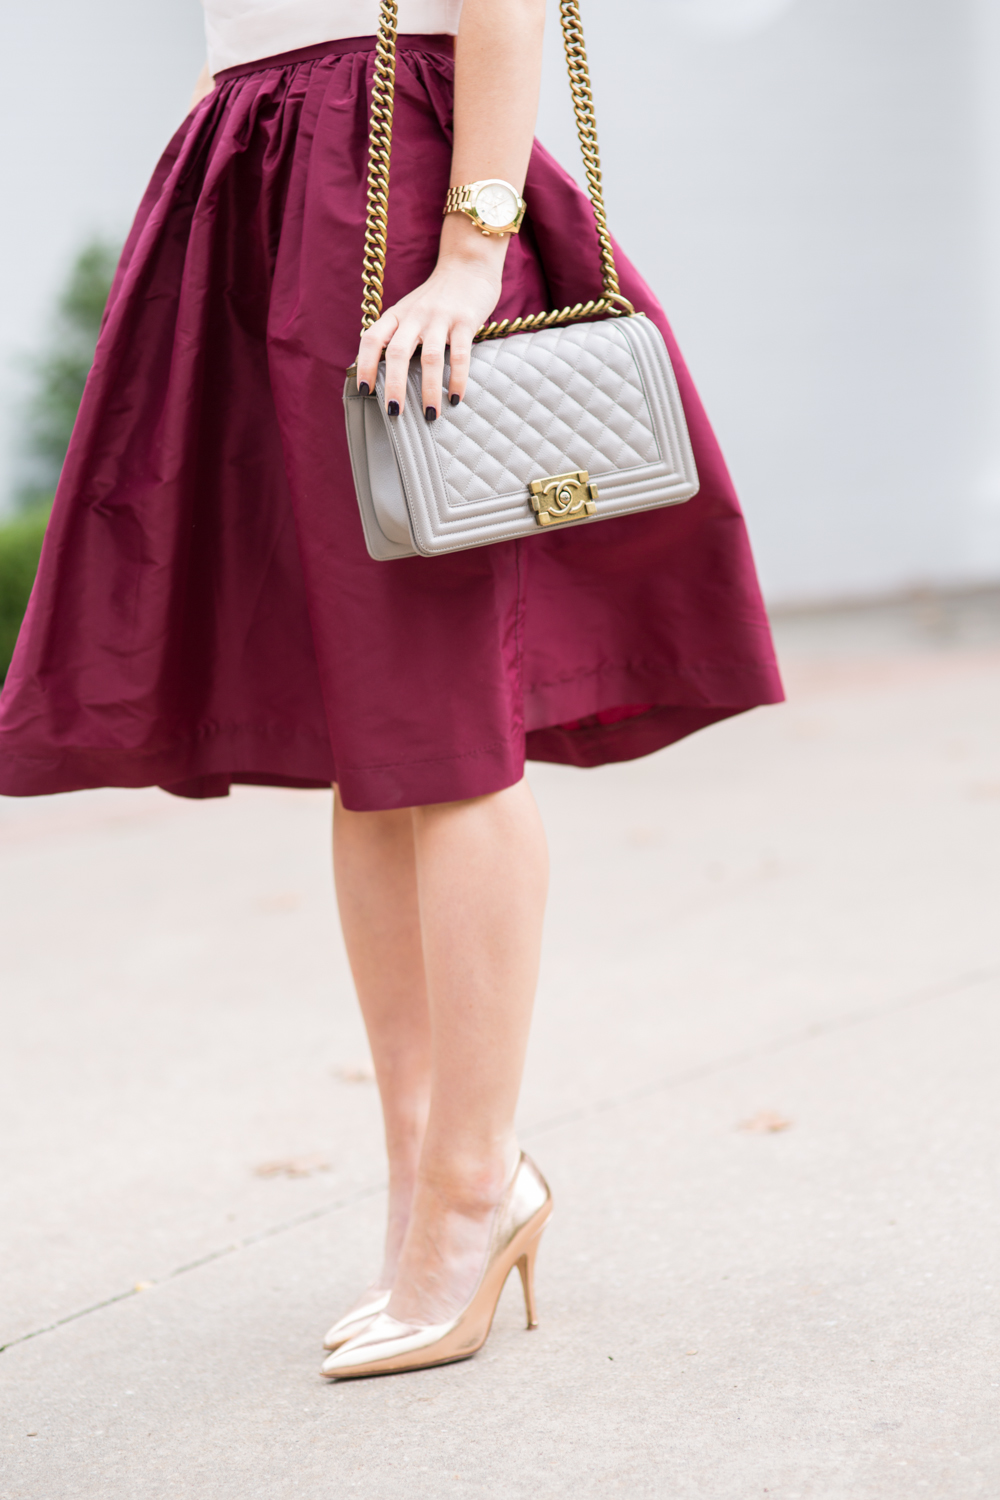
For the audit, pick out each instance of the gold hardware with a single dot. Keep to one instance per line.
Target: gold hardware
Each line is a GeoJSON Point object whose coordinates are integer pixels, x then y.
{"type": "Point", "coordinates": [379, 148]}
{"type": "Point", "coordinates": [563, 497]}
{"type": "Point", "coordinates": [466, 200]}
{"type": "Point", "coordinates": [611, 303]}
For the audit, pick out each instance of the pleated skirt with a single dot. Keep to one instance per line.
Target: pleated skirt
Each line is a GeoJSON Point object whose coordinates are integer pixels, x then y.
{"type": "Point", "coordinates": [205, 610]}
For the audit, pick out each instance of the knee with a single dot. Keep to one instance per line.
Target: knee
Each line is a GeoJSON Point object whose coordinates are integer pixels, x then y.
{"type": "Point", "coordinates": [375, 823]}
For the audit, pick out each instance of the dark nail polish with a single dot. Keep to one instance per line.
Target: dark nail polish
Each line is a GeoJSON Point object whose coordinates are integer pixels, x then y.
{"type": "Point", "coordinates": [363, 389]}
{"type": "Point", "coordinates": [454, 398]}
{"type": "Point", "coordinates": [431, 413]}
{"type": "Point", "coordinates": [393, 408]}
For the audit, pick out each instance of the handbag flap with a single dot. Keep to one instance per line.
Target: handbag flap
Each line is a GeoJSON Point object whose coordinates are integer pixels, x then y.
{"type": "Point", "coordinates": [598, 397]}
{"type": "Point", "coordinates": [544, 405]}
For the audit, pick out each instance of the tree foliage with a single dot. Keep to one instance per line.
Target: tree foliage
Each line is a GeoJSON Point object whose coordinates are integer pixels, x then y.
{"type": "Point", "coordinates": [60, 373]}
{"type": "Point", "coordinates": [59, 377]}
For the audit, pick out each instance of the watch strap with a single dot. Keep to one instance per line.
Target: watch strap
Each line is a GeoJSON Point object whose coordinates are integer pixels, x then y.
{"type": "Point", "coordinates": [458, 199]}
{"type": "Point", "coordinates": [461, 200]}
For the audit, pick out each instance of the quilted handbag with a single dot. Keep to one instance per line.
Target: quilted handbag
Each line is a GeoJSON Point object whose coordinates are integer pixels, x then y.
{"type": "Point", "coordinates": [569, 417]}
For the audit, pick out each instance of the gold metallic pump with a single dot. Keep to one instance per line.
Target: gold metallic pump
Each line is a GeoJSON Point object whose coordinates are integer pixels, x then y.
{"type": "Point", "coordinates": [356, 1321]}
{"type": "Point", "coordinates": [388, 1345]}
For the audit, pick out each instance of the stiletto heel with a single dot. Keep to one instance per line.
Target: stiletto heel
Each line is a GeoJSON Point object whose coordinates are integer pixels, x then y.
{"type": "Point", "coordinates": [388, 1345]}
{"type": "Point", "coordinates": [526, 1266]}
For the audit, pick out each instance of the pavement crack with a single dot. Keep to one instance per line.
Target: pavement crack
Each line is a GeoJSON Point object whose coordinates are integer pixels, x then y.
{"type": "Point", "coordinates": [372, 1191]}
{"type": "Point", "coordinates": [813, 1032]}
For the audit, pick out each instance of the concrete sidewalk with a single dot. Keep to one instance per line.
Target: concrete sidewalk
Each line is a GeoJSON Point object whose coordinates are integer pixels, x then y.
{"type": "Point", "coordinates": [787, 921]}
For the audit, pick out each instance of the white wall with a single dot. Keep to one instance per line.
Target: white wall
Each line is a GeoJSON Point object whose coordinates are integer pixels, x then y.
{"type": "Point", "coordinates": [802, 183]}
{"type": "Point", "coordinates": [812, 187]}
{"type": "Point", "coordinates": [985, 528]}
{"type": "Point", "coordinates": [92, 91]}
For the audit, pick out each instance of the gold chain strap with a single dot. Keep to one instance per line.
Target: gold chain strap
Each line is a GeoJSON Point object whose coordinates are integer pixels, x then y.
{"type": "Point", "coordinates": [611, 302]}
{"type": "Point", "coordinates": [586, 129]}
{"type": "Point", "coordinates": [379, 148]}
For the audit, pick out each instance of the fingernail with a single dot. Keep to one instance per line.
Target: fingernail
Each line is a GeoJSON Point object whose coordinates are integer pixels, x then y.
{"type": "Point", "coordinates": [454, 398]}
{"type": "Point", "coordinates": [431, 413]}
{"type": "Point", "coordinates": [393, 408]}
{"type": "Point", "coordinates": [363, 388]}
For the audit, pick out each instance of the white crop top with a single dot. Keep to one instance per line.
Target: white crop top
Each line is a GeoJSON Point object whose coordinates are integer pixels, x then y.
{"type": "Point", "coordinates": [240, 31]}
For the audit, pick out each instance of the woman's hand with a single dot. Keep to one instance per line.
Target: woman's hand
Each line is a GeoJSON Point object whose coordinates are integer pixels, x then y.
{"type": "Point", "coordinates": [458, 296]}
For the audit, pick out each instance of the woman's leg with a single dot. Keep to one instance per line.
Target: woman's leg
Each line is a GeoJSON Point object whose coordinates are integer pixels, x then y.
{"type": "Point", "coordinates": [482, 875]}
{"type": "Point", "coordinates": [375, 872]}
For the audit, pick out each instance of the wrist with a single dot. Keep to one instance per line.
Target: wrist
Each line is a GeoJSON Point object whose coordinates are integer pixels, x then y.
{"type": "Point", "coordinates": [462, 241]}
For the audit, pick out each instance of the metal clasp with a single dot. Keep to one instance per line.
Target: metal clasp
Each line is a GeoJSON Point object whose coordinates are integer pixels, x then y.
{"type": "Point", "coordinates": [563, 497]}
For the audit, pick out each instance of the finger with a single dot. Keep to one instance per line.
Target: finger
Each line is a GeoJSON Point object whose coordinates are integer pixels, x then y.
{"type": "Point", "coordinates": [432, 371]}
{"type": "Point", "coordinates": [398, 353]}
{"type": "Point", "coordinates": [461, 354]}
{"type": "Point", "coordinates": [373, 341]}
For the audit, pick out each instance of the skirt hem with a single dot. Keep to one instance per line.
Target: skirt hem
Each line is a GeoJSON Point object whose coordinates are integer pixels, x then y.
{"type": "Point", "coordinates": [209, 765]}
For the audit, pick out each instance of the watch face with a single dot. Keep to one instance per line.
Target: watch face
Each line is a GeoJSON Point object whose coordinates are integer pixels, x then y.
{"type": "Point", "coordinates": [496, 205]}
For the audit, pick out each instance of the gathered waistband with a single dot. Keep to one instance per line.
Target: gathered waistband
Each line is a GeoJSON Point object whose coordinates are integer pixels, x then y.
{"type": "Point", "coordinates": [410, 42]}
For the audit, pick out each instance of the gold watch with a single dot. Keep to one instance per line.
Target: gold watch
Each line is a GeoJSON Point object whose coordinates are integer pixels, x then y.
{"type": "Point", "coordinates": [493, 205]}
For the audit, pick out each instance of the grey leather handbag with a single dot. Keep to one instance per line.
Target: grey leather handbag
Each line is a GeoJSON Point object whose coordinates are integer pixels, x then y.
{"type": "Point", "coordinates": [569, 416]}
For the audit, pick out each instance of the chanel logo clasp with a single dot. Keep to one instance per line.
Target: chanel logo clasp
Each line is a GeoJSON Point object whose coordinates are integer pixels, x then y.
{"type": "Point", "coordinates": [563, 497]}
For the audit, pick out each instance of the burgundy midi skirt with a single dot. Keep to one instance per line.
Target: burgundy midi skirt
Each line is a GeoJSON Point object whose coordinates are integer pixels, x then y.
{"type": "Point", "coordinates": [206, 612]}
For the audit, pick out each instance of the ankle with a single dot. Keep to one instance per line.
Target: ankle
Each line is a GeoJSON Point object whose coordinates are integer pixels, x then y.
{"type": "Point", "coordinates": [404, 1141]}
{"type": "Point", "coordinates": [469, 1181]}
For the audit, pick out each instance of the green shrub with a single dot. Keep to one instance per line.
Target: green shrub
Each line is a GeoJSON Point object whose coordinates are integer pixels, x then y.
{"type": "Point", "coordinates": [20, 546]}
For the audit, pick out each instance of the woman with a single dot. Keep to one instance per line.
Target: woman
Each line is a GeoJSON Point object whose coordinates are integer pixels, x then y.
{"type": "Point", "coordinates": [206, 612]}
